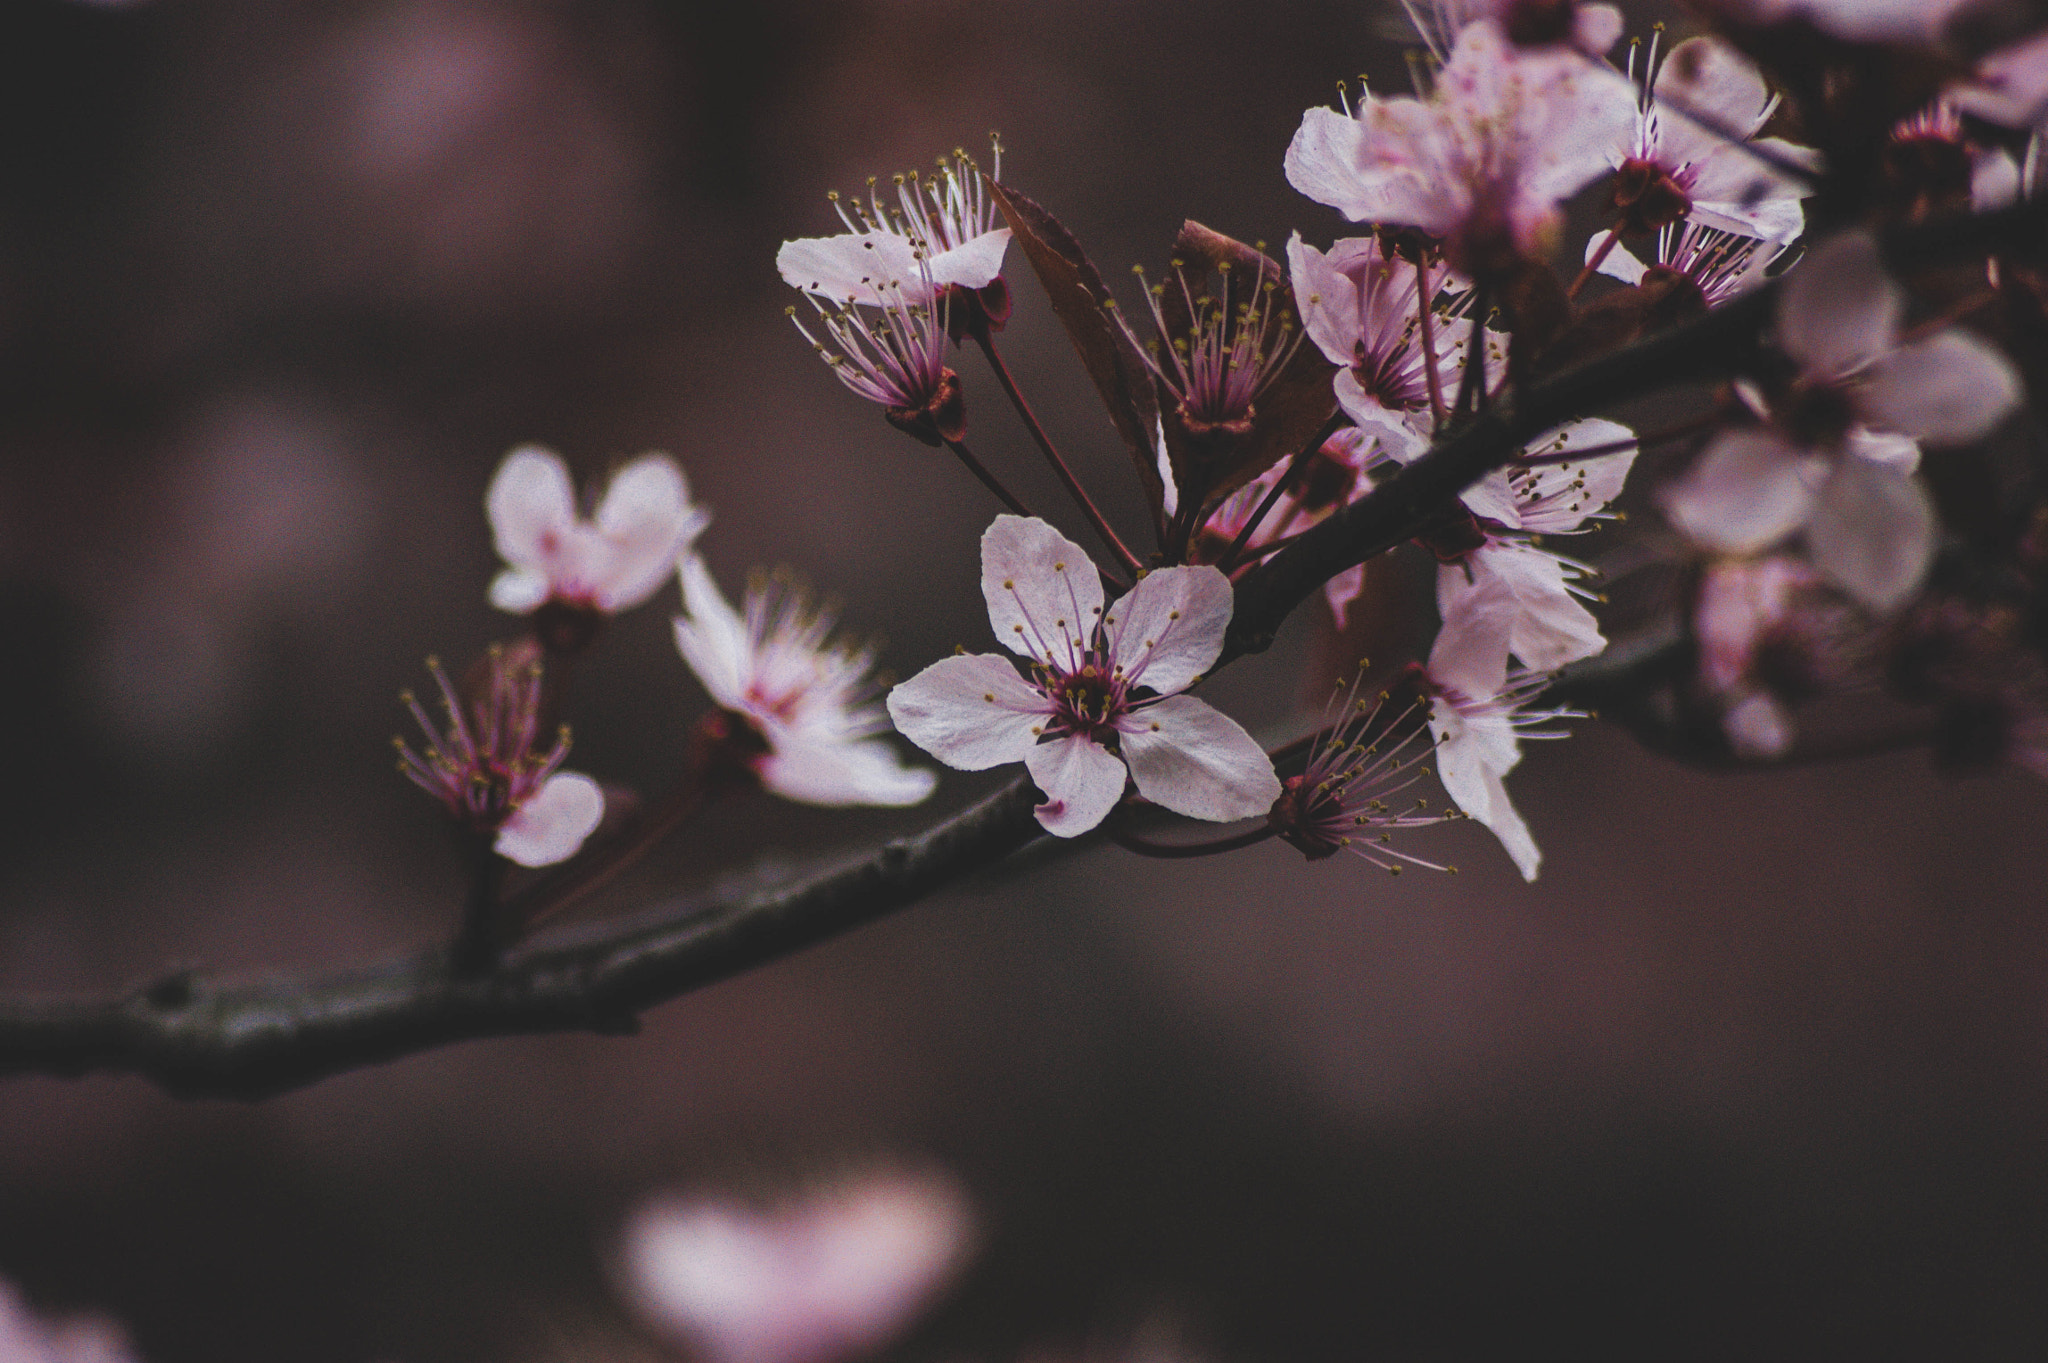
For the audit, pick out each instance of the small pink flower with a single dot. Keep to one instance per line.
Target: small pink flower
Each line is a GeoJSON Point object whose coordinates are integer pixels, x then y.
{"type": "Point", "coordinates": [607, 564]}
{"type": "Point", "coordinates": [896, 356]}
{"type": "Point", "coordinates": [829, 1276]}
{"type": "Point", "coordinates": [1341, 801]}
{"type": "Point", "coordinates": [1506, 136]}
{"type": "Point", "coordinates": [1720, 264]}
{"type": "Point", "coordinates": [940, 232]}
{"type": "Point", "coordinates": [491, 773]}
{"type": "Point", "coordinates": [810, 700]}
{"type": "Point", "coordinates": [1103, 691]}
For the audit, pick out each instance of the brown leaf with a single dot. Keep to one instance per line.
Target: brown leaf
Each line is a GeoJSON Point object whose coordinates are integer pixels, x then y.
{"type": "Point", "coordinates": [1078, 298]}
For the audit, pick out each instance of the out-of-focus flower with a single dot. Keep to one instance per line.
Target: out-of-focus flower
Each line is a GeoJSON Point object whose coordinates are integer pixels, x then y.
{"type": "Point", "coordinates": [1478, 714]}
{"type": "Point", "coordinates": [897, 359]}
{"type": "Point", "coordinates": [1528, 23]}
{"type": "Point", "coordinates": [1357, 766]}
{"type": "Point", "coordinates": [1932, 165]}
{"type": "Point", "coordinates": [1506, 135]}
{"type": "Point", "coordinates": [939, 233]}
{"type": "Point", "coordinates": [1673, 168]}
{"type": "Point", "coordinates": [644, 524]}
{"type": "Point", "coordinates": [832, 1275]}
{"type": "Point", "coordinates": [1741, 602]}
{"type": "Point", "coordinates": [1819, 467]}
{"type": "Point", "coordinates": [2011, 85]}
{"type": "Point", "coordinates": [809, 702]}
{"type": "Point", "coordinates": [26, 1339]}
{"type": "Point", "coordinates": [490, 771]}
{"type": "Point", "coordinates": [1864, 21]}
{"type": "Point", "coordinates": [1103, 691]}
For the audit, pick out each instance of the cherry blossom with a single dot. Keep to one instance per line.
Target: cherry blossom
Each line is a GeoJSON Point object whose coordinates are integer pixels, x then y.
{"type": "Point", "coordinates": [939, 232]}
{"type": "Point", "coordinates": [1935, 163]}
{"type": "Point", "coordinates": [834, 1274]}
{"type": "Point", "coordinates": [1740, 603]}
{"type": "Point", "coordinates": [1362, 308]}
{"type": "Point", "coordinates": [1506, 135]}
{"type": "Point", "coordinates": [1837, 461]}
{"type": "Point", "coordinates": [490, 772]}
{"type": "Point", "coordinates": [1103, 691]}
{"type": "Point", "coordinates": [1718, 263]}
{"type": "Point", "coordinates": [809, 701]}
{"type": "Point", "coordinates": [1478, 715]}
{"type": "Point", "coordinates": [1680, 164]}
{"type": "Point", "coordinates": [1233, 350]}
{"type": "Point", "coordinates": [897, 359]}
{"type": "Point", "coordinates": [616, 560]}
{"type": "Point", "coordinates": [1341, 801]}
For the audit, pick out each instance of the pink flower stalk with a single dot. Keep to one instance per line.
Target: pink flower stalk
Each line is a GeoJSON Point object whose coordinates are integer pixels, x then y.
{"type": "Point", "coordinates": [614, 561]}
{"type": "Point", "coordinates": [1362, 308]}
{"type": "Point", "coordinates": [897, 359]}
{"type": "Point", "coordinates": [1675, 168]}
{"type": "Point", "coordinates": [1478, 715]}
{"type": "Point", "coordinates": [1103, 691]}
{"type": "Point", "coordinates": [941, 231]}
{"type": "Point", "coordinates": [833, 1275]}
{"type": "Point", "coordinates": [1484, 162]}
{"type": "Point", "coordinates": [490, 771]}
{"type": "Point", "coordinates": [1235, 346]}
{"type": "Point", "coordinates": [810, 700]}
{"type": "Point", "coordinates": [1342, 800]}
{"type": "Point", "coordinates": [1819, 467]}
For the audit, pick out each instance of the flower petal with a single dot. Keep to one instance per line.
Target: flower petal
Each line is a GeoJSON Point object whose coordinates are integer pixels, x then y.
{"type": "Point", "coordinates": [1946, 390]}
{"type": "Point", "coordinates": [837, 774]}
{"type": "Point", "coordinates": [1550, 627]}
{"type": "Point", "coordinates": [647, 523]}
{"type": "Point", "coordinates": [1840, 310]}
{"type": "Point", "coordinates": [520, 591]}
{"type": "Point", "coordinates": [1873, 533]}
{"type": "Point", "coordinates": [553, 822]}
{"type": "Point", "coordinates": [532, 507]}
{"type": "Point", "coordinates": [1192, 759]}
{"type": "Point", "coordinates": [974, 263]}
{"type": "Point", "coordinates": [1167, 630]}
{"type": "Point", "coordinates": [1472, 755]}
{"type": "Point", "coordinates": [711, 636]}
{"type": "Point", "coordinates": [1082, 782]}
{"type": "Point", "coordinates": [1749, 490]}
{"type": "Point", "coordinates": [877, 268]}
{"type": "Point", "coordinates": [971, 711]}
{"type": "Point", "coordinates": [1043, 592]}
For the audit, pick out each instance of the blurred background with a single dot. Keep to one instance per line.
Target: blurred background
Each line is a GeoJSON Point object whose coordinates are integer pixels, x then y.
{"type": "Point", "coordinates": [1759, 1065]}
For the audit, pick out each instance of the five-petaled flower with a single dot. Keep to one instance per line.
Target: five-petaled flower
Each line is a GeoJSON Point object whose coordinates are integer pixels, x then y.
{"type": "Point", "coordinates": [490, 770]}
{"type": "Point", "coordinates": [807, 702]}
{"type": "Point", "coordinates": [1103, 690]}
{"type": "Point", "coordinates": [609, 563]}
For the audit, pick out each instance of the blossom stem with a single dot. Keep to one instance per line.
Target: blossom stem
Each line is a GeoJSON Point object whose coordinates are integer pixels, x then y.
{"type": "Point", "coordinates": [988, 480]}
{"type": "Point", "coordinates": [549, 897]}
{"type": "Point", "coordinates": [1279, 488]}
{"type": "Point", "coordinates": [1425, 310]}
{"type": "Point", "coordinates": [1472, 384]}
{"type": "Point", "coordinates": [488, 924]}
{"type": "Point", "coordinates": [1172, 851]}
{"type": "Point", "coordinates": [1052, 455]}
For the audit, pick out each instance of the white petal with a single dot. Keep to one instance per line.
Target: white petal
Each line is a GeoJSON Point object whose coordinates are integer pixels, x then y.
{"type": "Point", "coordinates": [1946, 390]}
{"type": "Point", "coordinates": [1322, 159]}
{"type": "Point", "coordinates": [1556, 498]}
{"type": "Point", "coordinates": [1550, 627]}
{"type": "Point", "coordinates": [1840, 310]}
{"type": "Point", "coordinates": [1749, 490]}
{"type": "Point", "coordinates": [1493, 498]}
{"type": "Point", "coordinates": [1328, 302]}
{"type": "Point", "coordinates": [1194, 760]}
{"type": "Point", "coordinates": [971, 711]}
{"type": "Point", "coordinates": [1902, 452]}
{"type": "Point", "coordinates": [1167, 630]}
{"type": "Point", "coordinates": [1082, 782]}
{"type": "Point", "coordinates": [553, 822]}
{"type": "Point", "coordinates": [1758, 727]}
{"type": "Point", "coordinates": [711, 637]}
{"type": "Point", "coordinates": [974, 263]}
{"type": "Point", "coordinates": [1472, 755]}
{"type": "Point", "coordinates": [1618, 263]}
{"type": "Point", "coordinates": [1342, 590]}
{"type": "Point", "coordinates": [532, 507]}
{"type": "Point", "coordinates": [1596, 28]}
{"type": "Point", "coordinates": [1710, 77]}
{"type": "Point", "coordinates": [1044, 595]}
{"type": "Point", "coordinates": [1873, 533]}
{"type": "Point", "coordinates": [877, 268]}
{"type": "Point", "coordinates": [1470, 655]}
{"type": "Point", "coordinates": [647, 523]}
{"type": "Point", "coordinates": [1994, 182]}
{"type": "Point", "coordinates": [519, 590]}
{"type": "Point", "coordinates": [836, 775]}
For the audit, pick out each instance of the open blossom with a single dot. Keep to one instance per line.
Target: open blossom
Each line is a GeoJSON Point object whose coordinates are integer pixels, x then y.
{"type": "Point", "coordinates": [491, 772]}
{"type": "Point", "coordinates": [830, 1276]}
{"type": "Point", "coordinates": [1672, 167]}
{"type": "Point", "coordinates": [1741, 602]}
{"type": "Point", "coordinates": [1348, 797]}
{"type": "Point", "coordinates": [1478, 715]}
{"type": "Point", "coordinates": [1719, 264]}
{"type": "Point", "coordinates": [608, 563]}
{"type": "Point", "coordinates": [939, 232]}
{"type": "Point", "coordinates": [896, 356]}
{"type": "Point", "coordinates": [1103, 691]}
{"type": "Point", "coordinates": [1837, 460]}
{"type": "Point", "coordinates": [809, 701]}
{"type": "Point", "coordinates": [1483, 163]}
{"type": "Point", "coordinates": [1238, 340]}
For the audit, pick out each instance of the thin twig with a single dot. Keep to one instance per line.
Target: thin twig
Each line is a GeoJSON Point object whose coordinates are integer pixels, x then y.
{"type": "Point", "coordinates": [988, 480]}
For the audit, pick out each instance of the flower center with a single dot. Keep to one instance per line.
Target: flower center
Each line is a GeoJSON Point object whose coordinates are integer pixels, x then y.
{"type": "Point", "coordinates": [1089, 699]}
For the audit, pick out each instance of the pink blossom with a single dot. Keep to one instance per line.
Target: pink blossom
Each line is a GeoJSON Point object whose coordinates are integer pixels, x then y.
{"type": "Point", "coordinates": [1740, 602]}
{"type": "Point", "coordinates": [940, 231]}
{"type": "Point", "coordinates": [832, 1275]}
{"type": "Point", "coordinates": [490, 770]}
{"type": "Point", "coordinates": [1341, 801]}
{"type": "Point", "coordinates": [1505, 137]}
{"type": "Point", "coordinates": [26, 1339]}
{"type": "Point", "coordinates": [810, 700]}
{"type": "Point", "coordinates": [1837, 463]}
{"type": "Point", "coordinates": [614, 561]}
{"type": "Point", "coordinates": [2011, 85]}
{"type": "Point", "coordinates": [1103, 691]}
{"type": "Point", "coordinates": [896, 358]}
{"type": "Point", "coordinates": [1720, 264]}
